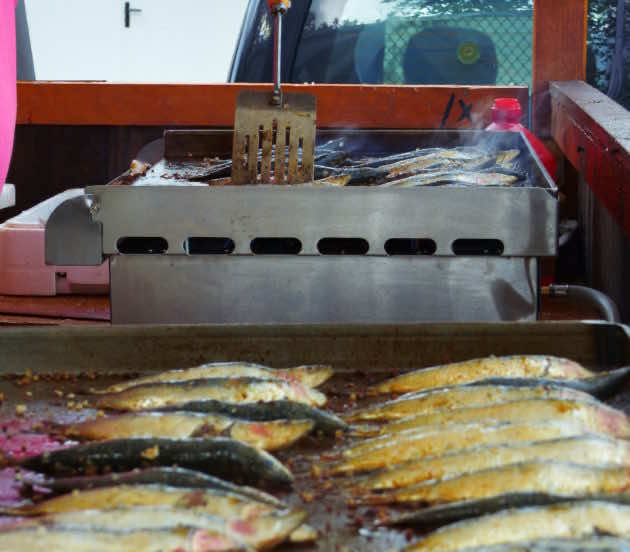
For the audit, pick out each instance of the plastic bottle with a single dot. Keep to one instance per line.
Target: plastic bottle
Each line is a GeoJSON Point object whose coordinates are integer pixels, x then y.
{"type": "Point", "coordinates": [506, 116]}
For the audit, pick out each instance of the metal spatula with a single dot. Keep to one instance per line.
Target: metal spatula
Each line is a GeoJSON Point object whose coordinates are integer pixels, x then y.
{"type": "Point", "coordinates": [274, 134]}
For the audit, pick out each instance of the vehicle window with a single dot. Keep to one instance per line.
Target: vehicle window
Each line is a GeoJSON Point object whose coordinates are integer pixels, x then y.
{"type": "Point", "coordinates": [416, 42]}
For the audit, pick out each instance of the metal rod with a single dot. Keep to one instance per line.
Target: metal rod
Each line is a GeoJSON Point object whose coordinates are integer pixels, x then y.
{"type": "Point", "coordinates": [276, 98]}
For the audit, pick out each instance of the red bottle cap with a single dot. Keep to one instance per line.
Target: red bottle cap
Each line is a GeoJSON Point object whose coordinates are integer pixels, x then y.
{"type": "Point", "coordinates": [507, 110]}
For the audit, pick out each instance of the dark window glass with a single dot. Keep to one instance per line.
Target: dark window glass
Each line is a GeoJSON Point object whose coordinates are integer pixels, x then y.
{"type": "Point", "coordinates": [409, 42]}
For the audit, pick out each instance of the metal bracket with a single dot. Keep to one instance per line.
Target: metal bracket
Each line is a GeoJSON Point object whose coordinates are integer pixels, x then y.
{"type": "Point", "coordinates": [73, 238]}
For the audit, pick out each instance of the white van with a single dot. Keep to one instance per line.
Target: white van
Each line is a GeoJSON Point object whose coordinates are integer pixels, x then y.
{"type": "Point", "coordinates": [137, 41]}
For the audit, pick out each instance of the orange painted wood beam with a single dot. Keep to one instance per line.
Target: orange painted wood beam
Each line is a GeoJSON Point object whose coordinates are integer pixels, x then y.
{"type": "Point", "coordinates": [212, 105]}
{"type": "Point", "coordinates": [560, 32]}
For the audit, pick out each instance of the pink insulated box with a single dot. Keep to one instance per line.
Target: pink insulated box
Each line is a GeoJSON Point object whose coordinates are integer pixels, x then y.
{"type": "Point", "coordinates": [23, 268]}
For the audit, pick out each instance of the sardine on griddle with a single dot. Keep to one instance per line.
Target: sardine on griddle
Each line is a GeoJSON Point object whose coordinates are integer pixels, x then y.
{"type": "Point", "coordinates": [209, 501]}
{"type": "Point", "coordinates": [602, 385]}
{"type": "Point", "coordinates": [389, 450]}
{"type": "Point", "coordinates": [595, 417]}
{"type": "Point", "coordinates": [595, 543]}
{"type": "Point", "coordinates": [589, 449]}
{"type": "Point", "coordinates": [163, 476]}
{"type": "Point", "coordinates": [458, 396]}
{"type": "Point", "coordinates": [565, 520]}
{"type": "Point", "coordinates": [183, 425]}
{"type": "Point", "coordinates": [537, 476]}
{"type": "Point", "coordinates": [230, 390]}
{"type": "Point", "coordinates": [530, 366]}
{"type": "Point", "coordinates": [312, 376]}
{"type": "Point", "coordinates": [77, 540]}
{"type": "Point", "coordinates": [324, 422]}
{"type": "Point", "coordinates": [218, 456]}
{"type": "Point", "coordinates": [260, 531]}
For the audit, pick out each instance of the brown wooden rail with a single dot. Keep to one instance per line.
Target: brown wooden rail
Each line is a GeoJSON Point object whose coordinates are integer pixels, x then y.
{"type": "Point", "coordinates": [61, 103]}
{"type": "Point", "coordinates": [593, 132]}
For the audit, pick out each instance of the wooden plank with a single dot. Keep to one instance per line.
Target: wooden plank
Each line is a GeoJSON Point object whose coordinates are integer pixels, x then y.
{"type": "Point", "coordinates": [560, 32]}
{"type": "Point", "coordinates": [89, 307]}
{"type": "Point", "coordinates": [338, 106]}
{"type": "Point", "coordinates": [592, 131]}
{"type": "Point", "coordinates": [13, 320]}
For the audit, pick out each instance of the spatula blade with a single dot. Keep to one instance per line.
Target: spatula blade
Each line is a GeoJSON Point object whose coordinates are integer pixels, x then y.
{"type": "Point", "coordinates": [262, 130]}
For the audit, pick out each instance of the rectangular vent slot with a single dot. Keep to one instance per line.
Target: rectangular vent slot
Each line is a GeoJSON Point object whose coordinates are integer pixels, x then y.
{"type": "Point", "coordinates": [142, 245]}
{"type": "Point", "coordinates": [343, 246]}
{"type": "Point", "coordinates": [276, 246]}
{"type": "Point", "coordinates": [209, 246]}
{"type": "Point", "coordinates": [478, 247]}
{"type": "Point", "coordinates": [410, 246]}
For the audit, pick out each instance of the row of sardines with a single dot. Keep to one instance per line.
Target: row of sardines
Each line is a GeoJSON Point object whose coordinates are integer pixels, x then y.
{"type": "Point", "coordinates": [336, 166]}
{"type": "Point", "coordinates": [180, 462]}
{"type": "Point", "coordinates": [495, 454]}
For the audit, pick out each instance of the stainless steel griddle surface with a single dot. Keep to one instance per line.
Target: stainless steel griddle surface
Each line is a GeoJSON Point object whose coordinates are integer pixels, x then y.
{"type": "Point", "coordinates": [70, 360]}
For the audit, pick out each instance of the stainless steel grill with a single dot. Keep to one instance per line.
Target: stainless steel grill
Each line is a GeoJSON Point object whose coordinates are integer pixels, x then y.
{"type": "Point", "coordinates": [297, 254]}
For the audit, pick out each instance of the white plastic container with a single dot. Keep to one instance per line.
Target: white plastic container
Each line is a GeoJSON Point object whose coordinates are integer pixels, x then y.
{"type": "Point", "coordinates": [23, 269]}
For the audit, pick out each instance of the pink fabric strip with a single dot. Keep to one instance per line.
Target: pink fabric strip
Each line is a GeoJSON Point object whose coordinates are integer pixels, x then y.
{"type": "Point", "coordinates": [8, 94]}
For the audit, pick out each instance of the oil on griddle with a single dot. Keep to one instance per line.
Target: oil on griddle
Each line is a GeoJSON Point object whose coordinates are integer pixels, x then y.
{"type": "Point", "coordinates": [427, 460]}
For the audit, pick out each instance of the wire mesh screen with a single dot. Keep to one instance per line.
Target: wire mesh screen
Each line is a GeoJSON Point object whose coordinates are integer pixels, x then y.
{"type": "Point", "coordinates": [510, 35]}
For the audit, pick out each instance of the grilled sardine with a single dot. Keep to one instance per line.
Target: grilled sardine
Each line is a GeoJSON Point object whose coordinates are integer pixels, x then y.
{"type": "Point", "coordinates": [208, 501]}
{"type": "Point", "coordinates": [596, 417]}
{"type": "Point", "coordinates": [588, 449]}
{"type": "Point", "coordinates": [182, 425]}
{"type": "Point", "coordinates": [260, 531]}
{"type": "Point", "coordinates": [323, 421]}
{"type": "Point", "coordinates": [312, 376]}
{"type": "Point", "coordinates": [557, 478]}
{"type": "Point", "coordinates": [169, 477]}
{"type": "Point", "coordinates": [230, 390]}
{"type": "Point", "coordinates": [390, 450]}
{"type": "Point", "coordinates": [219, 456]}
{"type": "Point", "coordinates": [570, 520]}
{"type": "Point", "coordinates": [531, 366]}
{"type": "Point", "coordinates": [459, 396]}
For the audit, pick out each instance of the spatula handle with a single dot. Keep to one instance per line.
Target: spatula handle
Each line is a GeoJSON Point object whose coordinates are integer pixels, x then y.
{"type": "Point", "coordinates": [278, 8]}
